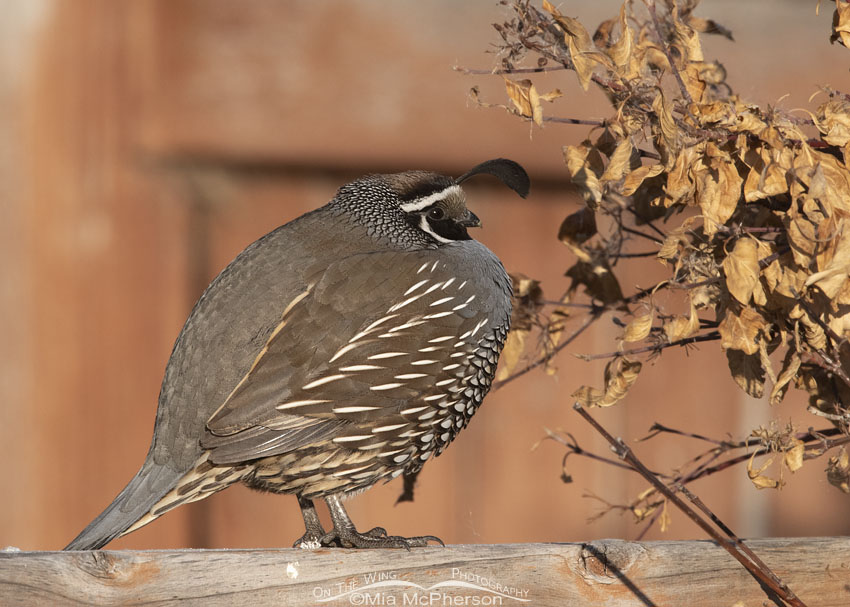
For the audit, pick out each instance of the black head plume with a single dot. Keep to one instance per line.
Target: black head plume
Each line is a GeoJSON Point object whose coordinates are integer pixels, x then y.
{"type": "Point", "coordinates": [509, 172]}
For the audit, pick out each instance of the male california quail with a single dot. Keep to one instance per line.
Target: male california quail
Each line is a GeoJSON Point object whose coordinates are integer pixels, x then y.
{"type": "Point", "coordinates": [343, 348]}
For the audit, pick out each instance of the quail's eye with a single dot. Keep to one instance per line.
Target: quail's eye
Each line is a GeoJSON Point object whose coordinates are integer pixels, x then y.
{"type": "Point", "coordinates": [436, 214]}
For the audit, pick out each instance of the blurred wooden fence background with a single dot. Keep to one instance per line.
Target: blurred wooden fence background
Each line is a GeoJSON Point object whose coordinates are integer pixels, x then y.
{"type": "Point", "coordinates": [145, 143]}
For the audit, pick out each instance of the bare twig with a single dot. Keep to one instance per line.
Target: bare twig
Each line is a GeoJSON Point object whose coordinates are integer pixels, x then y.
{"type": "Point", "coordinates": [642, 234]}
{"type": "Point", "coordinates": [775, 588]}
{"type": "Point", "coordinates": [515, 70]}
{"type": "Point", "coordinates": [650, 4]}
{"type": "Point", "coordinates": [547, 356]}
{"type": "Point", "coordinates": [574, 121]}
{"type": "Point", "coordinates": [711, 336]}
{"type": "Point", "coordinates": [696, 501]}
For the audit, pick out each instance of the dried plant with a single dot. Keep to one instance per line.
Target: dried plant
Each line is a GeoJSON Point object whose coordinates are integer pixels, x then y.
{"type": "Point", "coordinates": [747, 207]}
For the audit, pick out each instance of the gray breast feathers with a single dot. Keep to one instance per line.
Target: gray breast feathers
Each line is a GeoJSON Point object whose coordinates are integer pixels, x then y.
{"type": "Point", "coordinates": [371, 345]}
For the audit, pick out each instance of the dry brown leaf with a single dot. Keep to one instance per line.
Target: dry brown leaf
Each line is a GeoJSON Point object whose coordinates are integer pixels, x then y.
{"type": "Point", "coordinates": [638, 328]}
{"type": "Point", "coordinates": [582, 62]}
{"type": "Point", "coordinates": [801, 225]}
{"type": "Point", "coordinates": [621, 51]}
{"type": "Point", "coordinates": [668, 136]}
{"type": "Point", "coordinates": [582, 50]}
{"type": "Point", "coordinates": [747, 371]}
{"type": "Point", "coordinates": [718, 187]}
{"type": "Point", "coordinates": [598, 280]}
{"type": "Point", "coordinates": [523, 94]}
{"type": "Point", "coordinates": [790, 366]}
{"type": "Point", "coordinates": [769, 181]}
{"type": "Point", "coordinates": [709, 26]}
{"type": "Point", "coordinates": [588, 396]}
{"type": "Point", "coordinates": [834, 263]}
{"type": "Point", "coordinates": [794, 456]}
{"type": "Point", "coordinates": [620, 375]}
{"type": "Point", "coordinates": [760, 480]}
{"type": "Point", "coordinates": [833, 120]}
{"type": "Point", "coordinates": [812, 332]}
{"type": "Point", "coordinates": [576, 229]}
{"type": "Point", "coordinates": [829, 184]}
{"type": "Point", "coordinates": [664, 521]}
{"type": "Point", "coordinates": [841, 23]}
{"type": "Point", "coordinates": [512, 353]}
{"type": "Point", "coordinates": [767, 175]}
{"type": "Point", "coordinates": [741, 268]}
{"type": "Point", "coordinates": [747, 120]}
{"type": "Point", "coordinates": [527, 290]}
{"type": "Point", "coordinates": [619, 163]}
{"type": "Point", "coordinates": [634, 179]}
{"type": "Point", "coordinates": [740, 329]}
{"type": "Point", "coordinates": [791, 282]}
{"type": "Point", "coordinates": [687, 40]}
{"type": "Point", "coordinates": [578, 159]}
{"type": "Point", "coordinates": [702, 78]}
{"type": "Point", "coordinates": [680, 179]}
{"type": "Point", "coordinates": [680, 327]}
{"type": "Point", "coordinates": [670, 247]}
{"type": "Point", "coordinates": [675, 240]}
{"type": "Point", "coordinates": [840, 323]}
{"type": "Point", "coordinates": [764, 356]}
{"type": "Point", "coordinates": [694, 78]}
{"type": "Point", "coordinates": [713, 113]}
{"type": "Point", "coordinates": [838, 471]}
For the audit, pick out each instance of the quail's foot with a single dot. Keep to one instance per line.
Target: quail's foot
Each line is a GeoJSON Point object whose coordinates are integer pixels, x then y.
{"type": "Point", "coordinates": [349, 537]}
{"type": "Point", "coordinates": [312, 538]}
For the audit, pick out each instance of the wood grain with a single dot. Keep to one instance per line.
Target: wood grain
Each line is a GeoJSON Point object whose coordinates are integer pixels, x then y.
{"type": "Point", "coordinates": [614, 573]}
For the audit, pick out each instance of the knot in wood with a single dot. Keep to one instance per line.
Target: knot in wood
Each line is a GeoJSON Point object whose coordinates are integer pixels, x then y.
{"type": "Point", "coordinates": [116, 568]}
{"type": "Point", "coordinates": [606, 561]}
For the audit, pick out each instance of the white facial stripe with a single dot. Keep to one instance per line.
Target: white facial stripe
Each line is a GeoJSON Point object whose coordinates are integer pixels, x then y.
{"type": "Point", "coordinates": [426, 227]}
{"type": "Point", "coordinates": [426, 201]}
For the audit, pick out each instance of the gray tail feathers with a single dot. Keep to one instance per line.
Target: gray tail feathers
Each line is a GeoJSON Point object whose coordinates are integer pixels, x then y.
{"type": "Point", "coordinates": [133, 503]}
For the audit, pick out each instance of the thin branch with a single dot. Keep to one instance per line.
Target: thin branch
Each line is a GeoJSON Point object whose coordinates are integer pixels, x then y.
{"type": "Point", "coordinates": [648, 222]}
{"type": "Point", "coordinates": [646, 292]}
{"type": "Point", "coordinates": [655, 429]}
{"type": "Point", "coordinates": [639, 233]}
{"type": "Point", "coordinates": [696, 501]}
{"type": "Point", "coordinates": [568, 304]}
{"type": "Point", "coordinates": [713, 335]}
{"type": "Point", "coordinates": [546, 357]}
{"type": "Point", "coordinates": [574, 121]}
{"type": "Point", "coordinates": [630, 255]}
{"type": "Point", "coordinates": [650, 4]}
{"type": "Point", "coordinates": [574, 449]}
{"type": "Point", "coordinates": [774, 588]}
{"type": "Point", "coordinates": [515, 70]}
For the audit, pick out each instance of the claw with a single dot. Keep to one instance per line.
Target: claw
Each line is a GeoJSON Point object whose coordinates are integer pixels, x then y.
{"type": "Point", "coordinates": [376, 532]}
{"type": "Point", "coordinates": [347, 535]}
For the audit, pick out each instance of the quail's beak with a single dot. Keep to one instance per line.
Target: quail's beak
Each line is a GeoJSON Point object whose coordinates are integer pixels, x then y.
{"type": "Point", "coordinates": [470, 221]}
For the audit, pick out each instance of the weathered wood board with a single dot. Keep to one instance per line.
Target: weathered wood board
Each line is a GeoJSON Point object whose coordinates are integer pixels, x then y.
{"type": "Point", "coordinates": [612, 573]}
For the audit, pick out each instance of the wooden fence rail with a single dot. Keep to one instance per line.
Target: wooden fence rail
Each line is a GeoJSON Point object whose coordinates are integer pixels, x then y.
{"type": "Point", "coordinates": [612, 573]}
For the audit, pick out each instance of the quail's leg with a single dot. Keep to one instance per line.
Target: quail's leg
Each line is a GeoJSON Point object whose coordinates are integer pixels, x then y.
{"type": "Point", "coordinates": [315, 532]}
{"type": "Point", "coordinates": [345, 533]}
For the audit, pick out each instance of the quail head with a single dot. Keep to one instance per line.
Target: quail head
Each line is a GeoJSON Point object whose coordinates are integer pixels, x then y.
{"type": "Point", "coordinates": [344, 348]}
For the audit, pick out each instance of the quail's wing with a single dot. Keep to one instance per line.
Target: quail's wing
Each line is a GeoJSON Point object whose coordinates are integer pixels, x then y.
{"type": "Point", "coordinates": [378, 341]}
